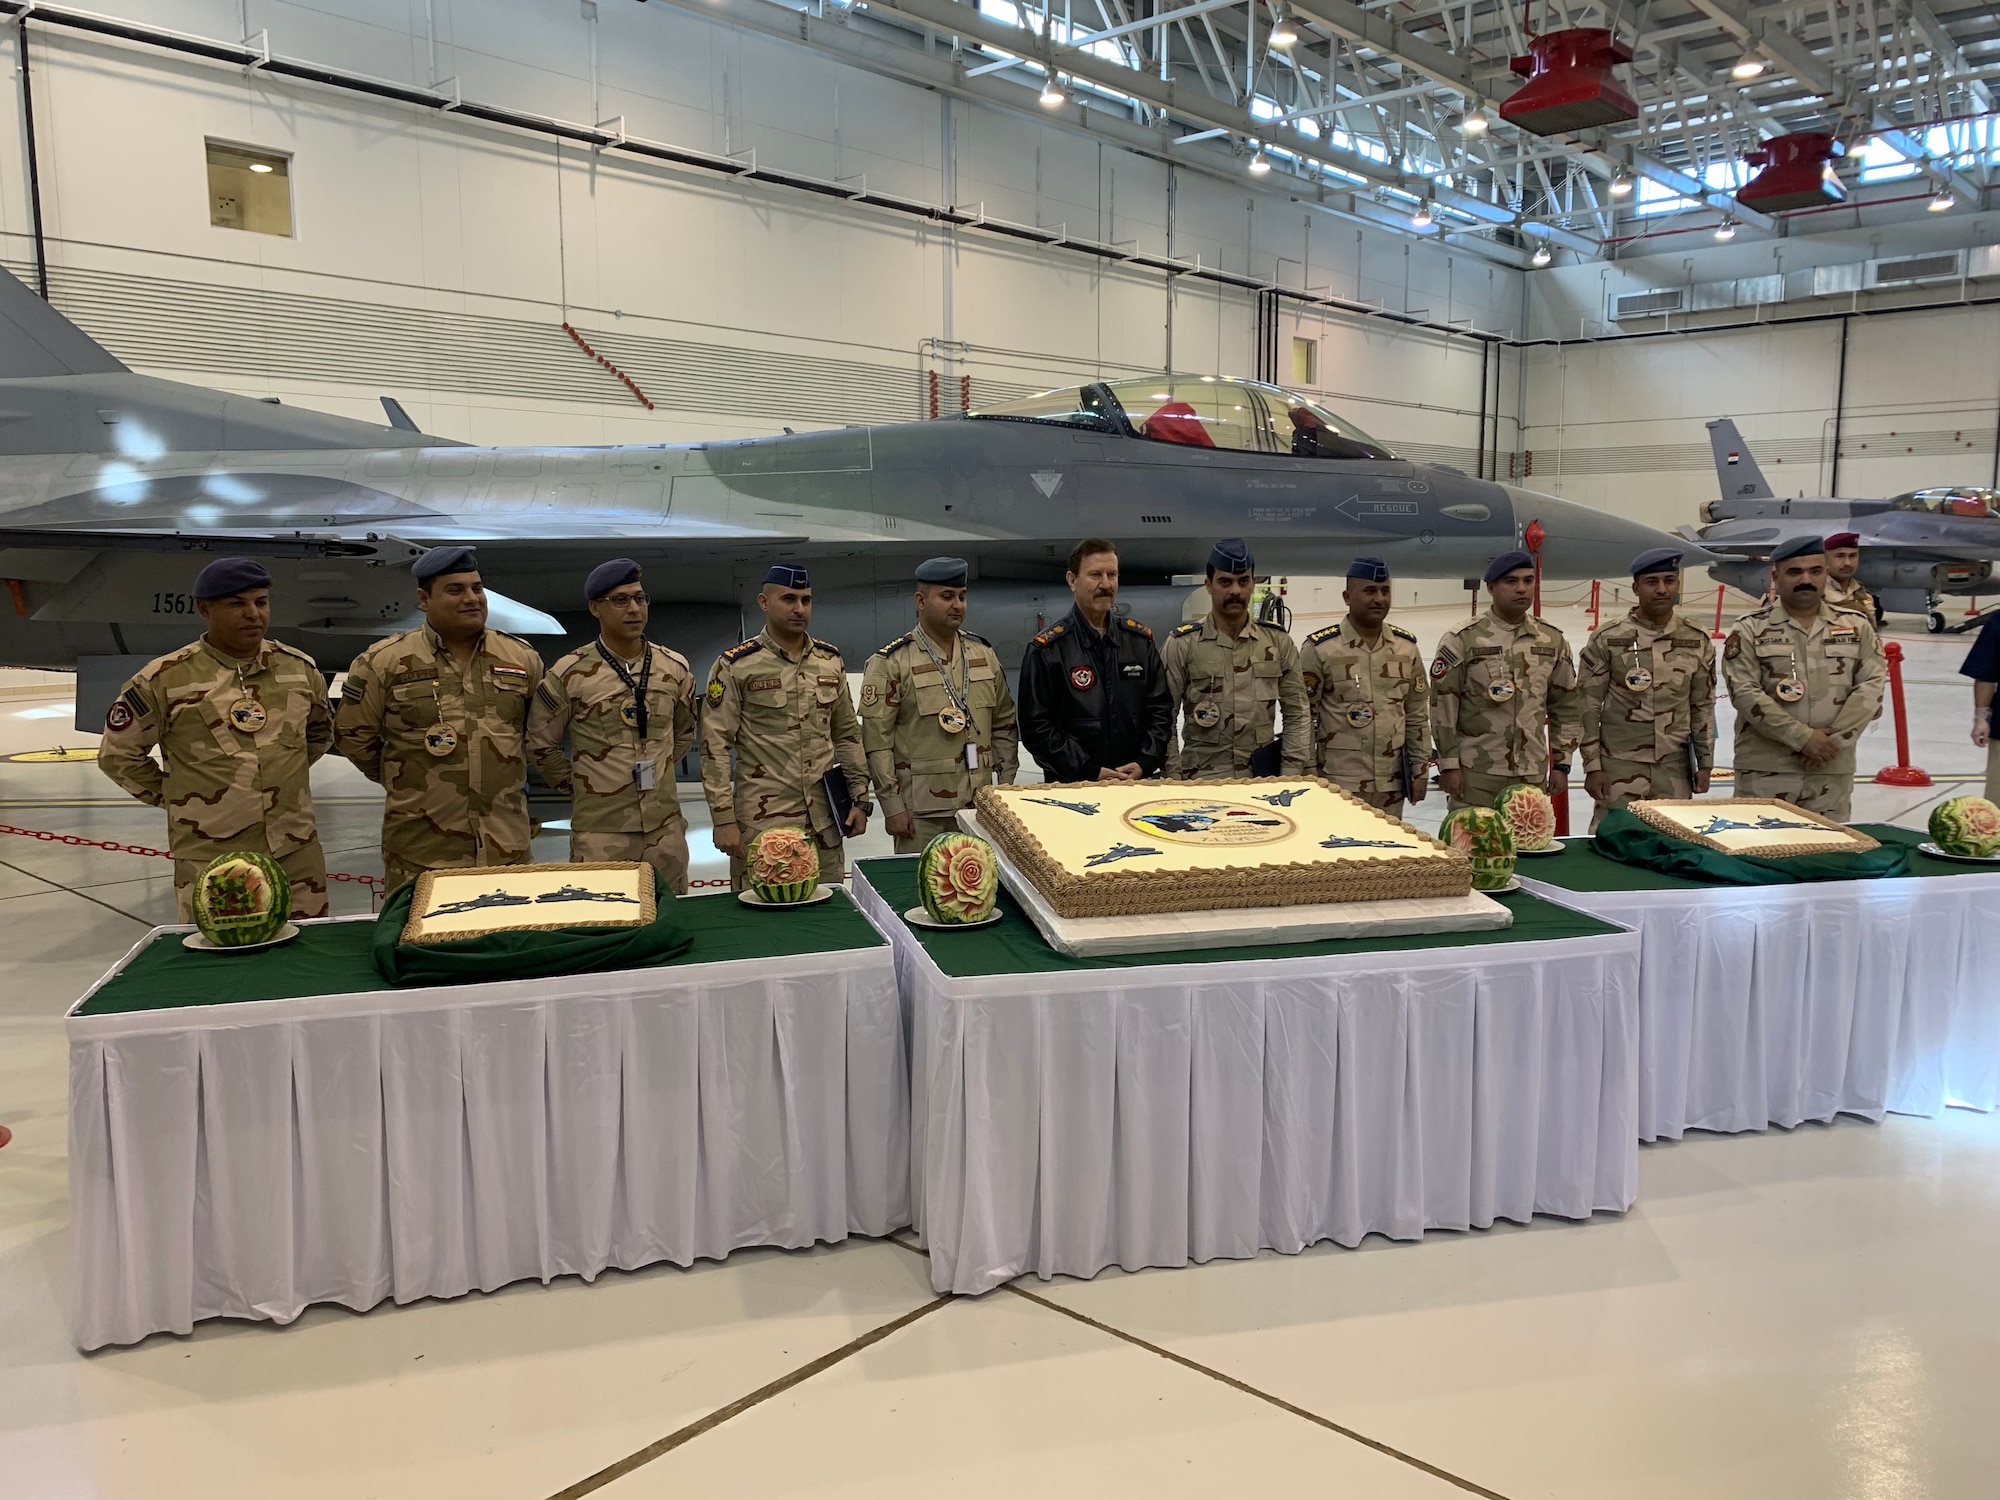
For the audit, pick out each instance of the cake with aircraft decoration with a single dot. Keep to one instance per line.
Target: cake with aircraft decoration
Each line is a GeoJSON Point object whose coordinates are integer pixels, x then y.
{"type": "Point", "coordinates": [1759, 826]}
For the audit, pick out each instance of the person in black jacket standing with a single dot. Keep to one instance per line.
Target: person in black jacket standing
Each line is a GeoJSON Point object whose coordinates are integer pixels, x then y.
{"type": "Point", "coordinates": [1094, 701]}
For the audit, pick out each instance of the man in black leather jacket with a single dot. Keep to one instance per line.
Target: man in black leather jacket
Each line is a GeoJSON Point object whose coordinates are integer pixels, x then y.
{"type": "Point", "coordinates": [1094, 701]}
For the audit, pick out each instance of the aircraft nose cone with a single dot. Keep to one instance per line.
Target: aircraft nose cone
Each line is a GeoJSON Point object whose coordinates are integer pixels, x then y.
{"type": "Point", "coordinates": [1585, 542]}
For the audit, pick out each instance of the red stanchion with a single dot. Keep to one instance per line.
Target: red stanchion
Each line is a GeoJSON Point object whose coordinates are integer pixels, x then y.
{"type": "Point", "coordinates": [1716, 634]}
{"type": "Point", "coordinates": [1534, 536]}
{"type": "Point", "coordinates": [1596, 602]}
{"type": "Point", "coordinates": [1902, 773]}
{"type": "Point", "coordinates": [1561, 803]}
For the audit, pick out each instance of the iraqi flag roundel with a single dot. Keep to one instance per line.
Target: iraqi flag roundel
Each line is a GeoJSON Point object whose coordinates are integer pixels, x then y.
{"type": "Point", "coordinates": [1081, 678]}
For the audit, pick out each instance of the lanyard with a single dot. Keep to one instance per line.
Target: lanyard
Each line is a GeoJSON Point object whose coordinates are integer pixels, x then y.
{"type": "Point", "coordinates": [638, 688]}
{"type": "Point", "coordinates": [957, 696]}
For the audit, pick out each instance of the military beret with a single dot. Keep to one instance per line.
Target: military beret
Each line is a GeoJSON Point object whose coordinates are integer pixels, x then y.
{"type": "Point", "coordinates": [1798, 546]}
{"type": "Point", "coordinates": [1843, 539]}
{"type": "Point", "coordinates": [607, 576]}
{"type": "Point", "coordinates": [230, 575]}
{"type": "Point", "coordinates": [1657, 560]}
{"type": "Point", "coordinates": [1369, 570]}
{"type": "Point", "coordinates": [1508, 562]}
{"type": "Point", "coordinates": [1231, 555]}
{"type": "Point", "coordinates": [788, 575]}
{"type": "Point", "coordinates": [944, 570]}
{"type": "Point", "coordinates": [444, 560]}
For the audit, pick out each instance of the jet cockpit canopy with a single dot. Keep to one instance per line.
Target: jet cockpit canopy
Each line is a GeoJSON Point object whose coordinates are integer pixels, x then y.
{"type": "Point", "coordinates": [1205, 411]}
{"type": "Point", "coordinates": [1952, 500]}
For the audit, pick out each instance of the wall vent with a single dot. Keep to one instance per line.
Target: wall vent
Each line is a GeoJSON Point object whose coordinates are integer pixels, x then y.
{"type": "Point", "coordinates": [1647, 304]}
{"type": "Point", "coordinates": [1916, 268]}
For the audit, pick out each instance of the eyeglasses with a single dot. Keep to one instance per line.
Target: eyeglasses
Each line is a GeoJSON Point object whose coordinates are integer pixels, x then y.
{"type": "Point", "coordinates": [619, 601]}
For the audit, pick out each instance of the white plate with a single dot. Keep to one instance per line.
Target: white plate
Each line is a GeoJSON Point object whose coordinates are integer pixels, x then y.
{"type": "Point", "coordinates": [1556, 848]}
{"type": "Point", "coordinates": [1964, 859]}
{"type": "Point", "coordinates": [1513, 884]}
{"type": "Point", "coordinates": [751, 898]}
{"type": "Point", "coordinates": [916, 916]}
{"type": "Point", "coordinates": [201, 944]}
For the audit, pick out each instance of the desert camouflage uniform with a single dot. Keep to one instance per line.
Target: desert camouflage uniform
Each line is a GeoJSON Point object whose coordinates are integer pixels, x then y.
{"type": "Point", "coordinates": [1500, 742]}
{"type": "Point", "coordinates": [469, 806]}
{"type": "Point", "coordinates": [1639, 736]}
{"type": "Point", "coordinates": [1243, 683]}
{"type": "Point", "coordinates": [227, 788]}
{"type": "Point", "coordinates": [1369, 703]}
{"type": "Point", "coordinates": [919, 766]}
{"type": "Point", "coordinates": [788, 723]}
{"type": "Point", "coordinates": [611, 817]}
{"type": "Point", "coordinates": [1838, 660]}
{"type": "Point", "coordinates": [1852, 594]}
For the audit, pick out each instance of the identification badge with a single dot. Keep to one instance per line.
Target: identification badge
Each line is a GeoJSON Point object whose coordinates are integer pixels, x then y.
{"type": "Point", "coordinates": [1789, 690]}
{"type": "Point", "coordinates": [247, 714]}
{"type": "Point", "coordinates": [440, 740]}
{"type": "Point", "coordinates": [1638, 679]}
{"type": "Point", "coordinates": [1360, 715]}
{"type": "Point", "coordinates": [951, 721]}
{"type": "Point", "coordinates": [1500, 691]}
{"type": "Point", "coordinates": [644, 776]}
{"type": "Point", "coordinates": [971, 756]}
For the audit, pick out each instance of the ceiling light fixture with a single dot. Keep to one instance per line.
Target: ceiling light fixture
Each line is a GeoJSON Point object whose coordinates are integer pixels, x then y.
{"type": "Point", "coordinates": [1726, 230]}
{"type": "Point", "coordinates": [1541, 257]}
{"type": "Point", "coordinates": [1259, 162]}
{"type": "Point", "coordinates": [260, 166]}
{"type": "Point", "coordinates": [1942, 201]}
{"type": "Point", "coordinates": [1422, 218]}
{"type": "Point", "coordinates": [1748, 66]}
{"type": "Point", "coordinates": [1475, 122]}
{"type": "Point", "coordinates": [1052, 93]}
{"type": "Point", "coordinates": [1283, 33]}
{"type": "Point", "coordinates": [1621, 186]}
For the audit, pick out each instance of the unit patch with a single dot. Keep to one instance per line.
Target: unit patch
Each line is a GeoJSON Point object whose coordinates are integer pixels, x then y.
{"type": "Point", "coordinates": [1082, 679]}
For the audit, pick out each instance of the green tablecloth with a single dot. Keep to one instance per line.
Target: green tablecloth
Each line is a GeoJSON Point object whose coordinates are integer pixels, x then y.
{"type": "Point", "coordinates": [1581, 868]}
{"type": "Point", "coordinates": [1014, 946]}
{"type": "Point", "coordinates": [338, 958]}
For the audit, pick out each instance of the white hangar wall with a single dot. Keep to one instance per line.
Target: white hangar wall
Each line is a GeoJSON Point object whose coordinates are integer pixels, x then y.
{"type": "Point", "coordinates": [435, 258]}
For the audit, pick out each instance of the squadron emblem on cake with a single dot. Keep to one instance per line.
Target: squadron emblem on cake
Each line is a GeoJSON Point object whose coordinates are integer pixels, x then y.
{"type": "Point", "coordinates": [1199, 820]}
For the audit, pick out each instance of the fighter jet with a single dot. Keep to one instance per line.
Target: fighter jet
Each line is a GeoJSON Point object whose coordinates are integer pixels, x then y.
{"type": "Point", "coordinates": [1915, 549]}
{"type": "Point", "coordinates": [115, 488]}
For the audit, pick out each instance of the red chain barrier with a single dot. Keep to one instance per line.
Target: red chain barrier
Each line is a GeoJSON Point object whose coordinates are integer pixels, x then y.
{"type": "Point", "coordinates": [1902, 773]}
{"type": "Point", "coordinates": [1716, 634]}
{"type": "Point", "coordinates": [75, 841]}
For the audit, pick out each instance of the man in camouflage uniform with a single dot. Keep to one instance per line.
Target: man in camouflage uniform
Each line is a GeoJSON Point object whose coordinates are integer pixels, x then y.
{"type": "Point", "coordinates": [779, 703]}
{"type": "Point", "coordinates": [937, 720]}
{"type": "Point", "coordinates": [1498, 686]}
{"type": "Point", "coordinates": [627, 706]}
{"type": "Point", "coordinates": [1648, 686]}
{"type": "Point", "coordinates": [1806, 676]}
{"type": "Point", "coordinates": [1230, 676]}
{"type": "Point", "coordinates": [239, 719]}
{"type": "Point", "coordinates": [1371, 712]}
{"type": "Point", "coordinates": [1843, 561]}
{"type": "Point", "coordinates": [437, 716]}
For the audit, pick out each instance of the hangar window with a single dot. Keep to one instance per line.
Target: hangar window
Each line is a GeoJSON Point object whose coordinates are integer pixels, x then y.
{"type": "Point", "coordinates": [249, 189]}
{"type": "Point", "coordinates": [1305, 362]}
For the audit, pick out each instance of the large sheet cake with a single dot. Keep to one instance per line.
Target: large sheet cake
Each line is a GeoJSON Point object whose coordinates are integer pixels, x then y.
{"type": "Point", "coordinates": [1112, 849]}
{"type": "Point", "coordinates": [1760, 826]}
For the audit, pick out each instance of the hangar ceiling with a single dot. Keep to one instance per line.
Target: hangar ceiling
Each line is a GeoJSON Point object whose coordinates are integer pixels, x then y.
{"type": "Point", "coordinates": [1396, 102]}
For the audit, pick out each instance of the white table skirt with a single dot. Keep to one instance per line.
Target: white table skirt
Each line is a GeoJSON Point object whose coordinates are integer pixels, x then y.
{"type": "Point", "coordinates": [249, 1160]}
{"type": "Point", "coordinates": [1149, 1116]}
{"type": "Point", "coordinates": [1773, 1005]}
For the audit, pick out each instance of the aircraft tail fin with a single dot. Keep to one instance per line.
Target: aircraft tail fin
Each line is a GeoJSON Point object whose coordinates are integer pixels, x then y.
{"type": "Point", "coordinates": [397, 416]}
{"type": "Point", "coordinates": [37, 341]}
{"type": "Point", "coordinates": [1736, 473]}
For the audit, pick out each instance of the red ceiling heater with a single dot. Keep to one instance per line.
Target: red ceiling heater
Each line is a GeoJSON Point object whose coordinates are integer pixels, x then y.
{"type": "Point", "coordinates": [1797, 173]}
{"type": "Point", "coordinates": [1569, 85]}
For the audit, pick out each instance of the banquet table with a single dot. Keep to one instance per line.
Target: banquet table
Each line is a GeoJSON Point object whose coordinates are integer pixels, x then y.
{"type": "Point", "coordinates": [1777, 1004]}
{"type": "Point", "coordinates": [253, 1133]}
{"type": "Point", "coordinates": [1150, 1110]}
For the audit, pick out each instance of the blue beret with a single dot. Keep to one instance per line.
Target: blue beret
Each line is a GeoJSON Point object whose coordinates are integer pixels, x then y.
{"type": "Point", "coordinates": [1231, 555]}
{"type": "Point", "coordinates": [951, 571]}
{"type": "Point", "coordinates": [1369, 570]}
{"type": "Point", "coordinates": [607, 576]}
{"type": "Point", "coordinates": [1657, 560]}
{"type": "Point", "coordinates": [788, 575]}
{"type": "Point", "coordinates": [230, 575]}
{"type": "Point", "coordinates": [1508, 562]}
{"type": "Point", "coordinates": [444, 560]}
{"type": "Point", "coordinates": [1799, 546]}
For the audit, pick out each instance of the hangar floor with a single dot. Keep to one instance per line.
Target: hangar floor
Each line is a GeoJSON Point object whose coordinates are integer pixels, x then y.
{"type": "Point", "coordinates": [1796, 1313]}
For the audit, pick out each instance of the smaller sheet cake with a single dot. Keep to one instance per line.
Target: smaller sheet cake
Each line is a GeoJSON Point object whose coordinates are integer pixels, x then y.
{"type": "Point", "coordinates": [1759, 826]}
{"type": "Point", "coordinates": [1136, 848]}
{"type": "Point", "coordinates": [450, 905]}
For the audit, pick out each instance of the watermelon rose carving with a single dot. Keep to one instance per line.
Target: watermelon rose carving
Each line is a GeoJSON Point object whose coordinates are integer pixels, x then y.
{"type": "Point", "coordinates": [1966, 825]}
{"type": "Point", "coordinates": [1530, 815]}
{"type": "Point", "coordinates": [241, 898]}
{"type": "Point", "coordinates": [782, 865]}
{"type": "Point", "coordinates": [958, 878]}
{"type": "Point", "coordinates": [1481, 834]}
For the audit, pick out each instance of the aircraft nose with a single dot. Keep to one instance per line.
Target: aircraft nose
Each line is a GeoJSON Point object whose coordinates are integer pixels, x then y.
{"type": "Point", "coordinates": [1585, 542]}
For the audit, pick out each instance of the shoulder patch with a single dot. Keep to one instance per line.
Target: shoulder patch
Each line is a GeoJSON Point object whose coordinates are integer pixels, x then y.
{"type": "Point", "coordinates": [1735, 647]}
{"type": "Point", "coordinates": [1188, 629]}
{"type": "Point", "coordinates": [714, 691]}
{"type": "Point", "coordinates": [899, 643]}
{"type": "Point", "coordinates": [1137, 629]}
{"type": "Point", "coordinates": [1324, 633]}
{"type": "Point", "coordinates": [1399, 633]}
{"type": "Point", "coordinates": [745, 648]}
{"type": "Point", "coordinates": [1053, 633]}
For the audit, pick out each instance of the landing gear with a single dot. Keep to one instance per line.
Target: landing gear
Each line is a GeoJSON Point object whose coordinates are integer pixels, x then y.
{"type": "Point", "coordinates": [1934, 622]}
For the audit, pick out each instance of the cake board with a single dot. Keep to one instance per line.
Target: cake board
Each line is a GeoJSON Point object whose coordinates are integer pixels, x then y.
{"type": "Point", "coordinates": [1243, 926]}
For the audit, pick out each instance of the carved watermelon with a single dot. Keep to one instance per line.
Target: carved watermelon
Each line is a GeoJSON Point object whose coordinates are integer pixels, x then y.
{"type": "Point", "coordinates": [958, 877]}
{"type": "Point", "coordinates": [782, 865]}
{"type": "Point", "coordinates": [1482, 836]}
{"type": "Point", "coordinates": [1530, 815]}
{"type": "Point", "coordinates": [241, 898]}
{"type": "Point", "coordinates": [1966, 825]}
